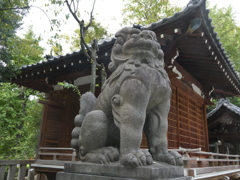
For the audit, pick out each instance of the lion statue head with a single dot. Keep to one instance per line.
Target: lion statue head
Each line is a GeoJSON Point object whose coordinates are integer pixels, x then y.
{"type": "Point", "coordinates": [135, 46]}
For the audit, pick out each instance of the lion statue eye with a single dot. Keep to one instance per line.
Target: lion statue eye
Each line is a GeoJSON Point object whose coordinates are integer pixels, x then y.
{"type": "Point", "coordinates": [119, 40]}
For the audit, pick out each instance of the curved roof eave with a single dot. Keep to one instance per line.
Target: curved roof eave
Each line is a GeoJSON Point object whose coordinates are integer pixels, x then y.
{"type": "Point", "coordinates": [225, 103]}
{"type": "Point", "coordinates": [101, 44]}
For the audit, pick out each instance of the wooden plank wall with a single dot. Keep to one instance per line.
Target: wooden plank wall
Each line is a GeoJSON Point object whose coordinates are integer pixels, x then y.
{"type": "Point", "coordinates": [187, 119]}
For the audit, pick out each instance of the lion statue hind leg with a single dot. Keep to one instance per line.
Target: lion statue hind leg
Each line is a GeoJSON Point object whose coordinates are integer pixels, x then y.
{"type": "Point", "coordinates": [93, 137]}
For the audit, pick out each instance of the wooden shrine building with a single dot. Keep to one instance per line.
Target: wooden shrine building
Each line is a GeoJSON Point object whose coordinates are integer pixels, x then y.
{"type": "Point", "coordinates": [224, 128]}
{"type": "Point", "coordinates": [196, 63]}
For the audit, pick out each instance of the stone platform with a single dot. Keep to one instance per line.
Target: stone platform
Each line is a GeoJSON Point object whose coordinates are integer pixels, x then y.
{"type": "Point", "coordinates": [115, 171]}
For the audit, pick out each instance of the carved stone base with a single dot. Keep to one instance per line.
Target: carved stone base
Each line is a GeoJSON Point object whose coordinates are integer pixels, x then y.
{"type": "Point", "coordinates": [115, 171]}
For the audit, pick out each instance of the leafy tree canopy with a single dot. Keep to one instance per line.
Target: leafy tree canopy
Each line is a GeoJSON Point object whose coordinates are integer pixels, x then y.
{"type": "Point", "coordinates": [228, 31]}
{"type": "Point", "coordinates": [96, 31]}
{"type": "Point", "coordinates": [19, 52]}
{"type": "Point", "coordinates": [20, 122]}
{"type": "Point", "coordinates": [11, 14]}
{"type": "Point", "coordinates": [85, 29]}
{"type": "Point", "coordinates": [26, 50]}
{"type": "Point", "coordinates": [147, 11]}
{"type": "Point", "coordinates": [19, 116]}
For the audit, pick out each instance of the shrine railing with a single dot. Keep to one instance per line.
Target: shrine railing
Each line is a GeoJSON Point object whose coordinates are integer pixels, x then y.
{"type": "Point", "coordinates": [204, 165]}
{"type": "Point", "coordinates": [12, 169]}
{"type": "Point", "coordinates": [55, 156]}
{"type": "Point", "coordinates": [197, 163]}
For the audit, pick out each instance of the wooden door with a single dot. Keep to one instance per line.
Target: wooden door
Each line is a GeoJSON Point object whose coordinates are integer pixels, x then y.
{"type": "Point", "coordinates": [52, 126]}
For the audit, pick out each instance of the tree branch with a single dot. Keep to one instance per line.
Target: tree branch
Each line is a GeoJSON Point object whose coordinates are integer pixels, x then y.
{"type": "Point", "coordinates": [77, 6]}
{"type": "Point", "coordinates": [91, 16]}
{"type": "Point", "coordinates": [74, 8]}
{"type": "Point", "coordinates": [84, 51]}
{"type": "Point", "coordinates": [27, 7]}
{"type": "Point", "coordinates": [71, 11]}
{"type": "Point", "coordinates": [83, 42]}
{"type": "Point", "coordinates": [44, 13]}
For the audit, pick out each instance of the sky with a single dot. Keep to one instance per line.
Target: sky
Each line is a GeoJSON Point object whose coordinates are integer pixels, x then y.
{"type": "Point", "coordinates": [108, 12]}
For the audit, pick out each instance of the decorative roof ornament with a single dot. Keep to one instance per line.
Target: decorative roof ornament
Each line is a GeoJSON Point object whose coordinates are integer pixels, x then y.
{"type": "Point", "coordinates": [137, 26]}
{"type": "Point", "coordinates": [221, 101]}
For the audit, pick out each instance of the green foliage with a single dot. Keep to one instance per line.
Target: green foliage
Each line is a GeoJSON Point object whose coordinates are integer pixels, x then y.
{"type": "Point", "coordinates": [10, 20]}
{"type": "Point", "coordinates": [211, 107]}
{"type": "Point", "coordinates": [21, 51]}
{"type": "Point", "coordinates": [147, 11]}
{"type": "Point", "coordinates": [26, 50]}
{"type": "Point", "coordinates": [56, 47]}
{"type": "Point", "coordinates": [70, 86]}
{"type": "Point", "coordinates": [20, 122]}
{"type": "Point", "coordinates": [228, 32]}
{"type": "Point", "coordinates": [235, 101]}
{"type": "Point", "coordinates": [19, 116]}
{"type": "Point", "coordinates": [73, 42]}
{"type": "Point", "coordinates": [96, 31]}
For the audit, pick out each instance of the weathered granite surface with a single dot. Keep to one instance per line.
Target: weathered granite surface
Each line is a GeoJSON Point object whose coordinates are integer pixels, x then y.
{"type": "Point", "coordinates": [135, 98]}
{"type": "Point", "coordinates": [116, 171]}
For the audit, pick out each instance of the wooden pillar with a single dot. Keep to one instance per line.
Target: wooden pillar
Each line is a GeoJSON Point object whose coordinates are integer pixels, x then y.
{"type": "Point", "coordinates": [11, 172]}
{"type": "Point", "coordinates": [2, 172]}
{"type": "Point", "coordinates": [206, 128]}
{"type": "Point", "coordinates": [178, 119]}
{"type": "Point", "coordinates": [22, 172]}
{"type": "Point", "coordinates": [222, 149]}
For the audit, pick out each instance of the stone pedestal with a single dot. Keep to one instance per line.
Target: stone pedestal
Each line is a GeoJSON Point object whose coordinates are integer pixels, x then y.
{"type": "Point", "coordinates": [115, 171]}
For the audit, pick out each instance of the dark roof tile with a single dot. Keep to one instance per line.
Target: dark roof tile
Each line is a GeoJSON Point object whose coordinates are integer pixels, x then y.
{"type": "Point", "coordinates": [224, 103]}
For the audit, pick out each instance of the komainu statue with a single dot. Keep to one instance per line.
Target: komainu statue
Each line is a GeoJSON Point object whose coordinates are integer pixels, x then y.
{"type": "Point", "coordinates": [135, 98]}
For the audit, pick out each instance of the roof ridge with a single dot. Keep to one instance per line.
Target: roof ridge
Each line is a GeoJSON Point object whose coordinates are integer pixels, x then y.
{"type": "Point", "coordinates": [227, 104]}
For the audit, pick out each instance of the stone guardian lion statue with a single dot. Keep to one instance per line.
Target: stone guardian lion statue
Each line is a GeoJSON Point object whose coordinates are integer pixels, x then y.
{"type": "Point", "coordinates": [135, 98]}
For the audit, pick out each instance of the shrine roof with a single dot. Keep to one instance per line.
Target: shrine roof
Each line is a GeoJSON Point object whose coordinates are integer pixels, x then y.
{"type": "Point", "coordinates": [187, 38]}
{"type": "Point", "coordinates": [226, 104]}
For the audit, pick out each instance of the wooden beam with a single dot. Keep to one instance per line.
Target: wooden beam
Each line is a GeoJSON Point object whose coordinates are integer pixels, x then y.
{"type": "Point", "coordinates": [188, 77]}
{"type": "Point", "coordinates": [225, 136]}
{"type": "Point", "coordinates": [193, 25]}
{"type": "Point", "coordinates": [227, 93]}
{"type": "Point", "coordinates": [53, 103]}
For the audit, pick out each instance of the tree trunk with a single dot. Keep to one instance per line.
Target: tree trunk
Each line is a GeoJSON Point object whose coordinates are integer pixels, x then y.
{"type": "Point", "coordinates": [93, 73]}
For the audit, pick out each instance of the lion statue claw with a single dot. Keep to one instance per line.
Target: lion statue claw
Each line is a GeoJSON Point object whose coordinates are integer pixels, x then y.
{"type": "Point", "coordinates": [135, 98]}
